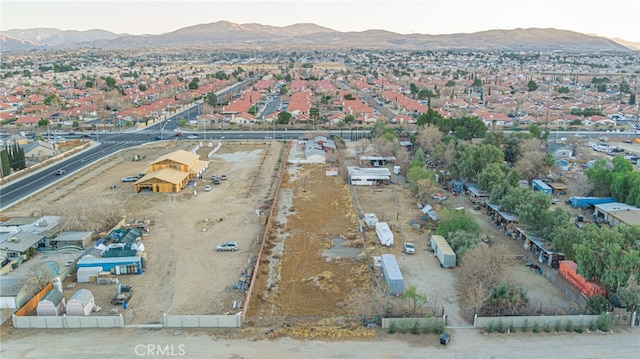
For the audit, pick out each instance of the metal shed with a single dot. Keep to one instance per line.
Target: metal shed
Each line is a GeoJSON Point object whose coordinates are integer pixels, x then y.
{"type": "Point", "coordinates": [81, 303]}
{"type": "Point", "coordinates": [52, 305]}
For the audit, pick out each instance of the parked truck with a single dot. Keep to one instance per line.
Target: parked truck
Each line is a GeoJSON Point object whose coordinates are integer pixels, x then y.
{"type": "Point", "coordinates": [392, 275]}
{"type": "Point", "coordinates": [384, 234]}
{"type": "Point", "coordinates": [443, 251]}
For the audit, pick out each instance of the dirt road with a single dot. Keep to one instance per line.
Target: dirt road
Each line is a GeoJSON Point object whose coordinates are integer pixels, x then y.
{"type": "Point", "coordinates": [132, 343]}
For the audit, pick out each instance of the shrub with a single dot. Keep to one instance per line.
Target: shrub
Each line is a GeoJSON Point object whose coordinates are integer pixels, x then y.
{"type": "Point", "coordinates": [490, 328]}
{"type": "Point", "coordinates": [547, 328]}
{"type": "Point", "coordinates": [569, 326]}
{"type": "Point", "coordinates": [557, 326]}
{"type": "Point", "coordinates": [604, 322]}
{"type": "Point", "coordinates": [536, 327]}
{"type": "Point", "coordinates": [392, 328]}
{"type": "Point", "coordinates": [525, 326]}
{"type": "Point", "coordinates": [592, 326]}
{"type": "Point", "coordinates": [512, 329]}
{"type": "Point", "coordinates": [500, 326]}
{"type": "Point", "coordinates": [428, 326]}
{"type": "Point", "coordinates": [578, 328]}
{"type": "Point", "coordinates": [438, 327]}
{"type": "Point", "coordinates": [403, 327]}
{"type": "Point", "coordinates": [415, 329]}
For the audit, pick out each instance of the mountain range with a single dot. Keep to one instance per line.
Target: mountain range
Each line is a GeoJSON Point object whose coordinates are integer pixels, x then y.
{"type": "Point", "coordinates": [308, 36]}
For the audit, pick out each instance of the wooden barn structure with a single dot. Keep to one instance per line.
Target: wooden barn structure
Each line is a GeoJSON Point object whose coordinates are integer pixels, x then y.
{"type": "Point", "coordinates": [171, 172]}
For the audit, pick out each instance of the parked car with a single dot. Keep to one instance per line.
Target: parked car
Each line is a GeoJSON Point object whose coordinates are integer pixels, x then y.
{"type": "Point", "coordinates": [409, 248]}
{"type": "Point", "coordinates": [445, 338]}
{"type": "Point", "coordinates": [213, 177]}
{"type": "Point", "coordinates": [159, 138]}
{"type": "Point", "coordinates": [207, 188]}
{"type": "Point", "coordinates": [223, 177]}
{"type": "Point", "coordinates": [60, 172]}
{"type": "Point", "coordinates": [227, 246]}
{"type": "Point", "coordinates": [439, 197]}
{"type": "Point", "coordinates": [179, 134]}
{"type": "Point", "coordinates": [129, 179]}
{"type": "Point", "coordinates": [193, 137]}
{"type": "Point", "coordinates": [216, 181]}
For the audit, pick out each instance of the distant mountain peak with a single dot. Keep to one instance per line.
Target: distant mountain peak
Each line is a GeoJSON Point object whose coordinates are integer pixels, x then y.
{"type": "Point", "coordinates": [309, 35]}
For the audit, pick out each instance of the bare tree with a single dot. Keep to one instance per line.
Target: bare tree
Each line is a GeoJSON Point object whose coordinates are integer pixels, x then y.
{"type": "Point", "coordinates": [382, 146]}
{"type": "Point", "coordinates": [88, 213]}
{"type": "Point", "coordinates": [362, 145]}
{"type": "Point", "coordinates": [375, 302]}
{"type": "Point", "coordinates": [426, 187]}
{"type": "Point", "coordinates": [428, 137]}
{"type": "Point", "coordinates": [402, 158]}
{"type": "Point", "coordinates": [481, 270]}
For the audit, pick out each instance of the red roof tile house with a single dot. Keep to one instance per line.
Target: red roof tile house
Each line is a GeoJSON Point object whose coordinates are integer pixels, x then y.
{"type": "Point", "coordinates": [30, 121]}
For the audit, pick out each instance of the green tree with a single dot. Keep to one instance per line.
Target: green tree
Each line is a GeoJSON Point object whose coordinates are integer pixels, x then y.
{"type": "Point", "coordinates": [415, 299]}
{"type": "Point", "coordinates": [42, 123]}
{"type": "Point", "coordinates": [600, 177]}
{"type": "Point", "coordinates": [497, 139]}
{"type": "Point", "coordinates": [512, 150]}
{"type": "Point", "coordinates": [453, 220]}
{"type": "Point", "coordinates": [110, 81]}
{"type": "Point", "coordinates": [532, 86]}
{"type": "Point", "coordinates": [349, 119]}
{"type": "Point", "coordinates": [75, 125]}
{"type": "Point", "coordinates": [491, 176]}
{"type": "Point", "coordinates": [431, 117]}
{"type": "Point", "coordinates": [506, 299]}
{"type": "Point", "coordinates": [414, 89]}
{"type": "Point", "coordinates": [462, 241]}
{"type": "Point", "coordinates": [6, 166]}
{"type": "Point", "coordinates": [632, 98]}
{"type": "Point", "coordinates": [283, 118]}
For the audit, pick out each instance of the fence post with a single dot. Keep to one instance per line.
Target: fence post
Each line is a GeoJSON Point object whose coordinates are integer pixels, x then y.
{"type": "Point", "coordinates": [475, 318]}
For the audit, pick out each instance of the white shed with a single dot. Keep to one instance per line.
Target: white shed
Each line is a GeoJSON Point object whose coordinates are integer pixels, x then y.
{"type": "Point", "coordinates": [52, 305]}
{"type": "Point", "coordinates": [81, 303]}
{"type": "Point", "coordinates": [84, 274]}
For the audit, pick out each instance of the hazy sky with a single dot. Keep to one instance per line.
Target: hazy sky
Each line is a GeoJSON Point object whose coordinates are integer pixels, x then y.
{"type": "Point", "coordinates": [611, 18]}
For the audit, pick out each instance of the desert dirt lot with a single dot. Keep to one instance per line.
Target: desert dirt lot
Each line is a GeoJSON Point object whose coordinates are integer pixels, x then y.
{"type": "Point", "coordinates": [184, 275]}
{"type": "Point", "coordinates": [314, 259]}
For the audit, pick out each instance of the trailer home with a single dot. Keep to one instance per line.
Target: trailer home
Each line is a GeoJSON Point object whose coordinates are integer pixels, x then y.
{"type": "Point", "coordinates": [443, 251]}
{"type": "Point", "coordinates": [384, 234]}
{"type": "Point", "coordinates": [392, 275]}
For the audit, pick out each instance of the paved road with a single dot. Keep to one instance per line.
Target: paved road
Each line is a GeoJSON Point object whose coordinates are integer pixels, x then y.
{"type": "Point", "coordinates": [466, 343]}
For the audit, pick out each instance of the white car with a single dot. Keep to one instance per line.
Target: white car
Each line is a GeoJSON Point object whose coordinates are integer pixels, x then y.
{"type": "Point", "coordinates": [207, 188]}
{"type": "Point", "coordinates": [227, 246]}
{"type": "Point", "coordinates": [409, 248]}
{"type": "Point", "coordinates": [193, 137]}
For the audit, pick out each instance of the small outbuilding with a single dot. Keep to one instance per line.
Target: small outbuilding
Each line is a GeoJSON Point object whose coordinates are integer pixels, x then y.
{"type": "Point", "coordinates": [81, 303]}
{"type": "Point", "coordinates": [52, 305]}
